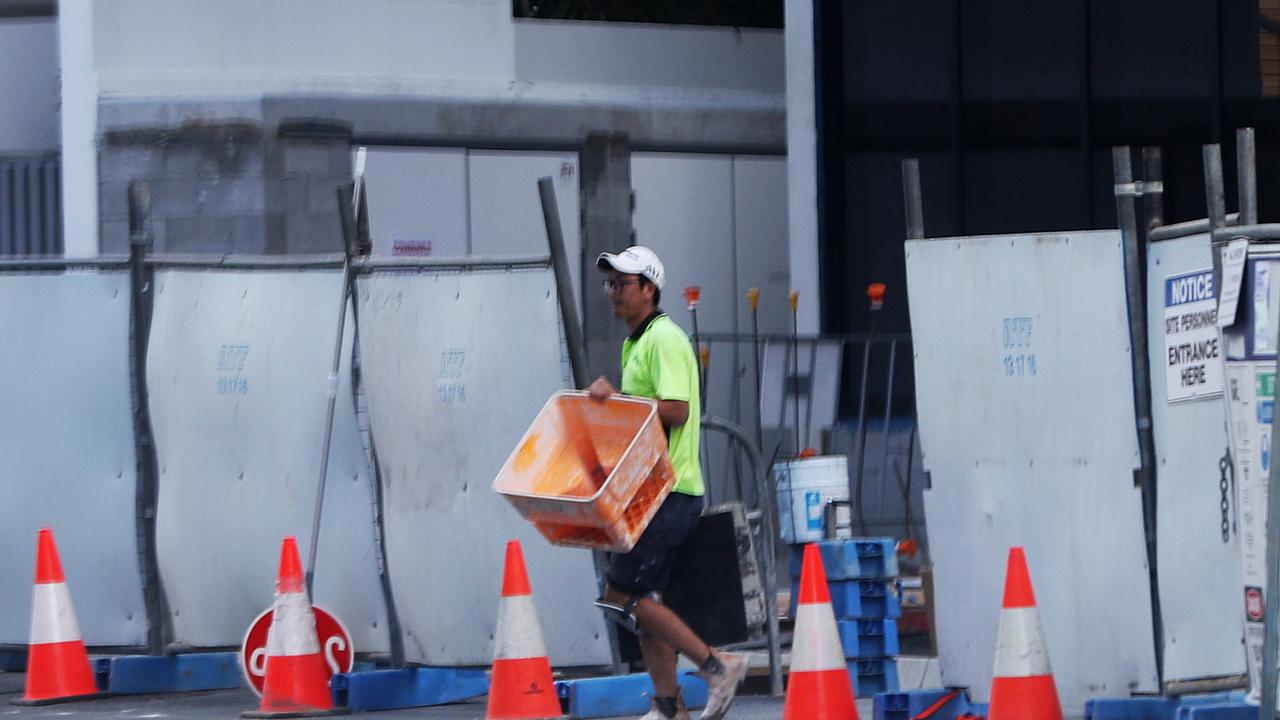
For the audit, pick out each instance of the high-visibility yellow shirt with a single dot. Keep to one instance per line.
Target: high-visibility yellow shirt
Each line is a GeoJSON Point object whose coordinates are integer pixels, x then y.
{"type": "Point", "coordinates": [658, 362]}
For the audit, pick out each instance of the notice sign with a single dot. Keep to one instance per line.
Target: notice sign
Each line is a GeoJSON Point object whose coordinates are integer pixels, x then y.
{"type": "Point", "coordinates": [1193, 363]}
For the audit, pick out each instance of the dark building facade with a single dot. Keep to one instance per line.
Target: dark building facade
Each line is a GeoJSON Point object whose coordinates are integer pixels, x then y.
{"type": "Point", "coordinates": [1012, 107]}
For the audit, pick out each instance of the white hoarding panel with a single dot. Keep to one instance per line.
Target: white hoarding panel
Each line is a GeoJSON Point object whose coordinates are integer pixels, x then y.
{"type": "Point", "coordinates": [67, 443]}
{"type": "Point", "coordinates": [456, 365]}
{"type": "Point", "coordinates": [1091, 592]}
{"type": "Point", "coordinates": [238, 371]}
{"type": "Point", "coordinates": [1025, 396]}
{"type": "Point", "coordinates": [1197, 546]}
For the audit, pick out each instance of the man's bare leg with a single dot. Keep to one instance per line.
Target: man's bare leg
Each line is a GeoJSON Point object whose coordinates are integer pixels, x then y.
{"type": "Point", "coordinates": [668, 635]}
{"type": "Point", "coordinates": [660, 660]}
{"type": "Point", "coordinates": [658, 620]}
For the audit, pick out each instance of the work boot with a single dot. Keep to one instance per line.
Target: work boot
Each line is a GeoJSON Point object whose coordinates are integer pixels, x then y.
{"type": "Point", "coordinates": [681, 712]}
{"type": "Point", "coordinates": [723, 672]}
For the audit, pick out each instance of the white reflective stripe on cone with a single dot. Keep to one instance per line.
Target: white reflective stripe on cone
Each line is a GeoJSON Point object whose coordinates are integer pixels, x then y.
{"type": "Point", "coordinates": [519, 634]}
{"type": "Point", "coordinates": [816, 643]}
{"type": "Point", "coordinates": [293, 627]}
{"type": "Point", "coordinates": [53, 619]}
{"type": "Point", "coordinates": [1020, 649]}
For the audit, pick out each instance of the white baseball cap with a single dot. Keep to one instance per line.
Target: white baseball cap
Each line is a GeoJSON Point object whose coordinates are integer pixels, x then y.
{"type": "Point", "coordinates": [635, 260]}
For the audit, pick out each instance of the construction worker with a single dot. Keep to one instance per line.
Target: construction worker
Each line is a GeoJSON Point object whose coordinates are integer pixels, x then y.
{"type": "Point", "coordinates": [658, 362]}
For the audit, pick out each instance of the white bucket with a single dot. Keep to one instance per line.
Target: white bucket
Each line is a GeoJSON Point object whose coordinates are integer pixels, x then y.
{"type": "Point", "coordinates": [804, 486]}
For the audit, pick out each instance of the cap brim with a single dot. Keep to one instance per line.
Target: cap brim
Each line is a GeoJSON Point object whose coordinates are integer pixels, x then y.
{"type": "Point", "coordinates": [609, 261]}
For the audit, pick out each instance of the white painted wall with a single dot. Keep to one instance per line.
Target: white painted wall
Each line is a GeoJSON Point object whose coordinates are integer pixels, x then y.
{"type": "Point", "coordinates": [79, 128]}
{"type": "Point", "coordinates": [596, 53]}
{"type": "Point", "coordinates": [418, 195]}
{"type": "Point", "coordinates": [506, 207]}
{"type": "Point", "coordinates": [220, 46]}
{"type": "Point", "coordinates": [432, 47]}
{"type": "Point", "coordinates": [802, 161]}
{"type": "Point", "coordinates": [237, 50]}
{"type": "Point", "coordinates": [28, 86]}
{"type": "Point", "coordinates": [761, 241]}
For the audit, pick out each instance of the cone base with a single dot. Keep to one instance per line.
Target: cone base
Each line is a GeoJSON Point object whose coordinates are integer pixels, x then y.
{"type": "Point", "coordinates": [1024, 698]}
{"type": "Point", "coordinates": [24, 702]}
{"type": "Point", "coordinates": [522, 689]}
{"type": "Point", "coordinates": [59, 672]}
{"type": "Point", "coordinates": [820, 695]}
{"type": "Point", "coordinates": [296, 684]}
{"type": "Point", "coordinates": [295, 713]}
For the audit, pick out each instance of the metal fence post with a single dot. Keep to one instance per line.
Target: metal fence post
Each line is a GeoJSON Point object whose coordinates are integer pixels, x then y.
{"type": "Point", "coordinates": [1215, 198]}
{"type": "Point", "coordinates": [1271, 633]}
{"type": "Point", "coordinates": [140, 307]}
{"type": "Point", "coordinates": [912, 198]}
{"type": "Point", "coordinates": [1247, 172]}
{"type": "Point", "coordinates": [1153, 198]}
{"type": "Point", "coordinates": [1126, 192]}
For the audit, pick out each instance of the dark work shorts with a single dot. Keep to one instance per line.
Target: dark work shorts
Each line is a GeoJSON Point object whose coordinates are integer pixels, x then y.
{"type": "Point", "coordinates": [647, 568]}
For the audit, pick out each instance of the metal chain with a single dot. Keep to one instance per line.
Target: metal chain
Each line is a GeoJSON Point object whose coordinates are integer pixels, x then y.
{"type": "Point", "coordinates": [1225, 464]}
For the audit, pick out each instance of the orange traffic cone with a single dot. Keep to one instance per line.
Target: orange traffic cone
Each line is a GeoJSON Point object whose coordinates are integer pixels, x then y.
{"type": "Point", "coordinates": [520, 687]}
{"type": "Point", "coordinates": [57, 663]}
{"type": "Point", "coordinates": [296, 684]}
{"type": "Point", "coordinates": [1022, 685]}
{"type": "Point", "coordinates": [819, 687]}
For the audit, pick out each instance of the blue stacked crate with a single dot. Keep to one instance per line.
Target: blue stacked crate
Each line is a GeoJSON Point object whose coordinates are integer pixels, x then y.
{"type": "Point", "coordinates": [862, 576]}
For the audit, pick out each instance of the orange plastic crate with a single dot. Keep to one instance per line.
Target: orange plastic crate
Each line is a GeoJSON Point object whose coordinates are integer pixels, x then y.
{"type": "Point", "coordinates": [546, 481]}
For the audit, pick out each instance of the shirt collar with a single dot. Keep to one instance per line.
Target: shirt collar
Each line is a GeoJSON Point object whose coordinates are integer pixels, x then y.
{"type": "Point", "coordinates": [644, 324]}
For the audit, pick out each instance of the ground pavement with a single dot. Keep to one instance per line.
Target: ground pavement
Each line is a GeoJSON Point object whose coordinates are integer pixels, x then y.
{"type": "Point", "coordinates": [227, 704]}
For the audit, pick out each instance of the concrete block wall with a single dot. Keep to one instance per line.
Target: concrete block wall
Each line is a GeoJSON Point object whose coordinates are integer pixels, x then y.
{"type": "Point", "coordinates": [225, 188]}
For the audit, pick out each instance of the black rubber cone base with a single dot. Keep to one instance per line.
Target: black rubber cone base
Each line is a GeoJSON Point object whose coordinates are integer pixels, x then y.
{"type": "Point", "coordinates": [295, 713]}
{"type": "Point", "coordinates": [58, 700]}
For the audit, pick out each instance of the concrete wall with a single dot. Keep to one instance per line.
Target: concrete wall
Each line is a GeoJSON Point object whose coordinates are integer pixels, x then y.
{"type": "Point", "coordinates": [802, 161]}
{"type": "Point", "coordinates": [424, 73]}
{"type": "Point", "coordinates": [28, 86]}
{"type": "Point", "coordinates": [226, 187]}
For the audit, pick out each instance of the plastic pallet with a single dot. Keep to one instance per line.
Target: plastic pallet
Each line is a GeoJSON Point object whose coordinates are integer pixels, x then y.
{"type": "Point", "coordinates": [857, 599]}
{"type": "Point", "coordinates": [854, 559]}
{"type": "Point", "coordinates": [150, 674]}
{"type": "Point", "coordinates": [872, 677]}
{"type": "Point", "coordinates": [906, 705]}
{"type": "Point", "coordinates": [864, 599]}
{"type": "Point", "coordinates": [1135, 708]}
{"type": "Point", "coordinates": [1224, 711]}
{"type": "Point", "coordinates": [407, 687]}
{"type": "Point", "coordinates": [622, 694]}
{"type": "Point", "coordinates": [13, 661]}
{"type": "Point", "coordinates": [1219, 705]}
{"type": "Point", "coordinates": [868, 638]}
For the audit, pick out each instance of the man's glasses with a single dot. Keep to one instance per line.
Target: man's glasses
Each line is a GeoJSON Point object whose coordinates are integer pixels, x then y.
{"type": "Point", "coordinates": [612, 286]}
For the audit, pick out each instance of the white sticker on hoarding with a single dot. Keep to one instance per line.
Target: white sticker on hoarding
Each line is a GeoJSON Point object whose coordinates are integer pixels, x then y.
{"type": "Point", "coordinates": [1193, 358]}
{"type": "Point", "coordinates": [411, 247]}
{"type": "Point", "coordinates": [1250, 389]}
{"type": "Point", "coordinates": [1233, 256]}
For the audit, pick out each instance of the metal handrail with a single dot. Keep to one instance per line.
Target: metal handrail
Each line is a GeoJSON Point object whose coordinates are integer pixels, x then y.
{"type": "Point", "coordinates": [768, 552]}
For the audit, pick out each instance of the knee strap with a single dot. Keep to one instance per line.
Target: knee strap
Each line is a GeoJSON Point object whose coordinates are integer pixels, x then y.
{"type": "Point", "coordinates": [625, 615]}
